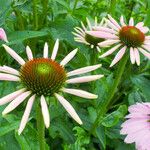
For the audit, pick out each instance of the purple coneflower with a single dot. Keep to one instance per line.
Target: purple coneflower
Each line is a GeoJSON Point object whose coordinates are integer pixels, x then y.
{"type": "Point", "coordinates": [43, 77]}
{"type": "Point", "coordinates": [123, 37]}
{"type": "Point", "coordinates": [3, 35]}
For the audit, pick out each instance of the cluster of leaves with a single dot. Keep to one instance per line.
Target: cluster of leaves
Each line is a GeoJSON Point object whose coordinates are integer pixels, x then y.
{"type": "Point", "coordinates": [35, 22]}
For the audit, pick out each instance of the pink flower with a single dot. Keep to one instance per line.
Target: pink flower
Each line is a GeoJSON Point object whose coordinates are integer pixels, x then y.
{"type": "Point", "coordinates": [124, 37]}
{"type": "Point", "coordinates": [137, 127]}
{"type": "Point", "coordinates": [3, 35]}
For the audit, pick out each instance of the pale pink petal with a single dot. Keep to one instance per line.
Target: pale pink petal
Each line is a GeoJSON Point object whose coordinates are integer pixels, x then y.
{"type": "Point", "coordinates": [114, 22]}
{"type": "Point", "coordinates": [118, 56]}
{"type": "Point", "coordinates": [110, 51]}
{"type": "Point", "coordinates": [144, 29]}
{"type": "Point", "coordinates": [104, 29]}
{"type": "Point", "coordinates": [3, 35]}
{"type": "Point", "coordinates": [18, 100]}
{"type": "Point", "coordinates": [45, 51]}
{"type": "Point", "coordinates": [146, 47]}
{"type": "Point", "coordinates": [68, 108]}
{"type": "Point", "coordinates": [8, 77]}
{"type": "Point", "coordinates": [9, 70]}
{"type": "Point", "coordinates": [45, 112]}
{"type": "Point", "coordinates": [122, 21]}
{"type": "Point", "coordinates": [26, 114]}
{"type": "Point", "coordinates": [147, 37]}
{"type": "Point", "coordinates": [55, 50]}
{"type": "Point", "coordinates": [144, 53]}
{"type": "Point", "coordinates": [137, 56]}
{"type": "Point", "coordinates": [14, 55]}
{"type": "Point", "coordinates": [79, 32]}
{"type": "Point", "coordinates": [101, 34]}
{"type": "Point", "coordinates": [29, 53]}
{"type": "Point", "coordinates": [132, 55]}
{"type": "Point", "coordinates": [68, 57]}
{"type": "Point", "coordinates": [111, 25]}
{"type": "Point", "coordinates": [139, 25]}
{"type": "Point", "coordinates": [80, 93]}
{"type": "Point", "coordinates": [11, 96]}
{"type": "Point", "coordinates": [108, 43]}
{"type": "Point", "coordinates": [84, 79]}
{"type": "Point", "coordinates": [131, 22]}
{"type": "Point", "coordinates": [83, 70]}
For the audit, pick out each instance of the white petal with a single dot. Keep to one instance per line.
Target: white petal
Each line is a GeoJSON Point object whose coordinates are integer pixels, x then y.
{"type": "Point", "coordinates": [144, 53]}
{"type": "Point", "coordinates": [55, 50]}
{"type": "Point", "coordinates": [114, 22]}
{"type": "Point", "coordinates": [80, 93]}
{"type": "Point", "coordinates": [131, 22]}
{"type": "Point", "coordinates": [137, 56]}
{"type": "Point", "coordinates": [11, 96]}
{"type": "Point", "coordinates": [29, 53]}
{"type": "Point", "coordinates": [140, 24]}
{"type": "Point", "coordinates": [132, 55]}
{"type": "Point", "coordinates": [122, 21]}
{"type": "Point", "coordinates": [83, 26]}
{"type": "Point", "coordinates": [108, 43]}
{"type": "Point", "coordinates": [45, 51]}
{"type": "Point", "coordinates": [68, 108]}
{"type": "Point", "coordinates": [45, 112]}
{"type": "Point", "coordinates": [118, 56]}
{"type": "Point", "coordinates": [8, 77]}
{"type": "Point", "coordinates": [18, 100]}
{"type": "Point", "coordinates": [146, 47]}
{"type": "Point", "coordinates": [144, 29]}
{"type": "Point", "coordinates": [147, 37]}
{"type": "Point", "coordinates": [9, 70]}
{"type": "Point", "coordinates": [105, 29]}
{"type": "Point", "coordinates": [26, 114]}
{"type": "Point", "coordinates": [111, 25]}
{"type": "Point", "coordinates": [89, 24]}
{"type": "Point", "coordinates": [110, 51]}
{"type": "Point", "coordinates": [84, 79]}
{"type": "Point", "coordinates": [68, 57]}
{"type": "Point", "coordinates": [83, 70]}
{"type": "Point", "coordinates": [14, 55]}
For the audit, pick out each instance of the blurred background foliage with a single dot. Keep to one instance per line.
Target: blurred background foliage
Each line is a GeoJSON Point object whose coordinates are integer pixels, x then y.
{"type": "Point", "coordinates": [34, 22]}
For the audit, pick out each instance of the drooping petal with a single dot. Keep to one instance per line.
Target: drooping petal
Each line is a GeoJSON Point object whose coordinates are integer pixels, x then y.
{"type": "Point", "coordinates": [131, 22]}
{"type": "Point", "coordinates": [139, 25]}
{"type": "Point", "coordinates": [3, 35]}
{"type": "Point", "coordinates": [83, 70]}
{"type": "Point", "coordinates": [144, 53]}
{"type": "Point", "coordinates": [80, 93]}
{"type": "Point", "coordinates": [18, 100]}
{"type": "Point", "coordinates": [29, 53]}
{"type": "Point", "coordinates": [68, 108]}
{"type": "Point", "coordinates": [114, 22]}
{"type": "Point", "coordinates": [14, 55]}
{"type": "Point", "coordinates": [55, 50]}
{"type": "Point", "coordinates": [26, 114]}
{"type": "Point", "coordinates": [118, 56]}
{"type": "Point", "coordinates": [137, 56]}
{"type": "Point", "coordinates": [108, 43]}
{"type": "Point", "coordinates": [104, 29]}
{"type": "Point", "coordinates": [84, 79]}
{"type": "Point", "coordinates": [45, 112]}
{"type": "Point", "coordinates": [122, 21]}
{"type": "Point", "coordinates": [68, 57]}
{"type": "Point", "coordinates": [45, 51]}
{"type": "Point", "coordinates": [146, 47]}
{"type": "Point", "coordinates": [132, 55]}
{"type": "Point", "coordinates": [8, 77]}
{"type": "Point", "coordinates": [9, 70]}
{"type": "Point", "coordinates": [110, 51]}
{"type": "Point", "coordinates": [11, 96]}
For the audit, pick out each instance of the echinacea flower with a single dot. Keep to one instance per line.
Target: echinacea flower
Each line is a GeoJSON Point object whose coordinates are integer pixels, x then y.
{"type": "Point", "coordinates": [3, 35]}
{"type": "Point", "coordinates": [137, 127]}
{"type": "Point", "coordinates": [82, 37]}
{"type": "Point", "coordinates": [43, 77]}
{"type": "Point", "coordinates": [123, 37]}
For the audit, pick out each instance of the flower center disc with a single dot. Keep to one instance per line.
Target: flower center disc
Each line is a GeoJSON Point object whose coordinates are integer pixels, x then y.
{"type": "Point", "coordinates": [93, 40]}
{"type": "Point", "coordinates": [131, 36]}
{"type": "Point", "coordinates": [42, 76]}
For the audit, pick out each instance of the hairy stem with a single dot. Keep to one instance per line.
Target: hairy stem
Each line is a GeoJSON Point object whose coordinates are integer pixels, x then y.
{"type": "Point", "coordinates": [35, 14]}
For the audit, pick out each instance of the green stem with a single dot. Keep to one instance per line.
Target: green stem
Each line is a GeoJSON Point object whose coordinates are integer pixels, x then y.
{"type": "Point", "coordinates": [35, 14]}
{"type": "Point", "coordinates": [40, 128]}
{"type": "Point", "coordinates": [102, 108]}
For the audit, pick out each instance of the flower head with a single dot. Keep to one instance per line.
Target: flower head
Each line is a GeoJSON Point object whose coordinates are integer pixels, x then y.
{"type": "Point", "coordinates": [3, 35]}
{"type": "Point", "coordinates": [82, 36]}
{"type": "Point", "coordinates": [137, 127]}
{"type": "Point", "coordinates": [123, 37]}
{"type": "Point", "coordinates": [43, 77]}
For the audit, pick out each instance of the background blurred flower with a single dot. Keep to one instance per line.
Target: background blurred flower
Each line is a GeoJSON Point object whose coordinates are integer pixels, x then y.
{"type": "Point", "coordinates": [43, 77]}
{"type": "Point", "coordinates": [122, 37]}
{"type": "Point", "coordinates": [137, 127]}
{"type": "Point", "coordinates": [82, 36]}
{"type": "Point", "coordinates": [3, 35]}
